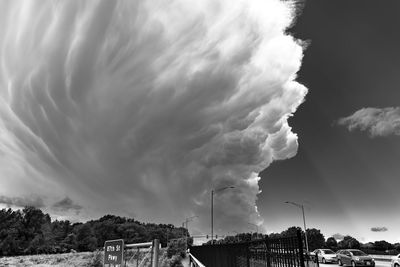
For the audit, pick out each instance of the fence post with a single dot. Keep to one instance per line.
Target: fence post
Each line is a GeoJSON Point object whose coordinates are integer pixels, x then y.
{"type": "Point", "coordinates": [300, 245]}
{"type": "Point", "coordinates": [268, 251]}
{"type": "Point", "coordinates": [137, 257]}
{"type": "Point", "coordinates": [156, 247]}
{"type": "Point", "coordinates": [247, 255]}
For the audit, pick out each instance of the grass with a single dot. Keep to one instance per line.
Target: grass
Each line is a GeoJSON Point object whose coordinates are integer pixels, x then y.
{"type": "Point", "coordinates": [64, 260]}
{"type": "Point", "coordinates": [81, 259]}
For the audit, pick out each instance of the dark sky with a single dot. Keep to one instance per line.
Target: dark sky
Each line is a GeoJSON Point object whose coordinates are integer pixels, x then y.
{"type": "Point", "coordinates": [348, 181]}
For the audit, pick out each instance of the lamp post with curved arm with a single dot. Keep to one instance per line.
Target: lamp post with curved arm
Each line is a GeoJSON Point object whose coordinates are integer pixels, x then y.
{"type": "Point", "coordinates": [304, 218]}
{"type": "Point", "coordinates": [185, 223]}
{"type": "Point", "coordinates": [213, 191]}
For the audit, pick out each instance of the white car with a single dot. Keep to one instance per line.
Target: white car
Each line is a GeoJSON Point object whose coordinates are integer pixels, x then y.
{"type": "Point", "coordinates": [395, 261]}
{"type": "Point", "coordinates": [326, 255]}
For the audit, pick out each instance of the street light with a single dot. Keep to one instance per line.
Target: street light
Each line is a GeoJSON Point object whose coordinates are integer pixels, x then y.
{"type": "Point", "coordinates": [212, 208]}
{"type": "Point", "coordinates": [304, 218]}
{"type": "Point", "coordinates": [185, 223]}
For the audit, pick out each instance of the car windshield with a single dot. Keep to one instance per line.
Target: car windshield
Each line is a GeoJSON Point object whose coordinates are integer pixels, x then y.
{"type": "Point", "coordinates": [358, 253]}
{"type": "Point", "coordinates": [328, 251]}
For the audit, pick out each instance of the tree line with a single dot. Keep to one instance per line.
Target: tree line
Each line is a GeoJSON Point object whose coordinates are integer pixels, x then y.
{"type": "Point", "coordinates": [30, 231]}
{"type": "Point", "coordinates": [316, 240]}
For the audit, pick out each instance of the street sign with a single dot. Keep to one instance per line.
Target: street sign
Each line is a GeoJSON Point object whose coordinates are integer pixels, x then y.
{"type": "Point", "coordinates": [114, 253]}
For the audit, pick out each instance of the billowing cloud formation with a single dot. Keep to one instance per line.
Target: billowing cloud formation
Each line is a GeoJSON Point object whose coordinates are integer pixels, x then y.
{"type": "Point", "coordinates": [66, 204]}
{"type": "Point", "coordinates": [379, 229]}
{"type": "Point", "coordinates": [144, 106]}
{"type": "Point", "coordinates": [20, 202]}
{"type": "Point", "coordinates": [377, 121]}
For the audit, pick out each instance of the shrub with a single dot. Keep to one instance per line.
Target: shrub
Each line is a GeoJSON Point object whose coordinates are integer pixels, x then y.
{"type": "Point", "coordinates": [174, 261]}
{"type": "Point", "coordinates": [97, 259]}
{"type": "Point", "coordinates": [177, 248]}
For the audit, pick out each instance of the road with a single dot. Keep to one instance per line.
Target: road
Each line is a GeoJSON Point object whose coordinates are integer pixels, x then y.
{"type": "Point", "coordinates": [377, 264]}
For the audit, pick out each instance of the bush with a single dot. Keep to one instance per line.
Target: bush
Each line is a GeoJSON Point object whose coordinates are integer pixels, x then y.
{"type": "Point", "coordinates": [174, 261]}
{"type": "Point", "coordinates": [96, 260]}
{"type": "Point", "coordinates": [177, 248]}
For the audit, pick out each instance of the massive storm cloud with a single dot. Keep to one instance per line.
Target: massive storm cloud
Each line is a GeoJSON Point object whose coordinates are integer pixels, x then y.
{"type": "Point", "coordinates": [140, 108]}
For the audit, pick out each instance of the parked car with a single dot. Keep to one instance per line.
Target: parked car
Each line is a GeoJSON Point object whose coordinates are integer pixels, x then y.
{"type": "Point", "coordinates": [395, 261]}
{"type": "Point", "coordinates": [308, 255]}
{"type": "Point", "coordinates": [325, 255]}
{"type": "Point", "coordinates": [354, 257]}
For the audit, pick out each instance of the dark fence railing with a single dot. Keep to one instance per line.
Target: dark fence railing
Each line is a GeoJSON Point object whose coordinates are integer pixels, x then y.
{"type": "Point", "coordinates": [391, 252]}
{"type": "Point", "coordinates": [268, 252]}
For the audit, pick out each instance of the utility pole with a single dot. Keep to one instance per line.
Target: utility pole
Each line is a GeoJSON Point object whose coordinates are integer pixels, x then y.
{"type": "Point", "coordinates": [212, 208]}
{"type": "Point", "coordinates": [304, 219]}
{"type": "Point", "coordinates": [185, 224]}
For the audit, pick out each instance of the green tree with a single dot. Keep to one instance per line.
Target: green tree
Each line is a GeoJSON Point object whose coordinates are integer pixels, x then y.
{"type": "Point", "coordinates": [69, 243]}
{"type": "Point", "coordinates": [11, 232]}
{"type": "Point", "coordinates": [382, 245]}
{"type": "Point", "coordinates": [85, 239]}
{"type": "Point", "coordinates": [292, 231]}
{"type": "Point", "coordinates": [274, 235]}
{"type": "Point", "coordinates": [349, 242]}
{"type": "Point", "coordinates": [315, 239]}
{"type": "Point", "coordinates": [332, 243]}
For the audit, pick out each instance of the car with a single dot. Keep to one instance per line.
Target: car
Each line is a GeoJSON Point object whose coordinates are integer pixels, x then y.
{"type": "Point", "coordinates": [395, 261]}
{"type": "Point", "coordinates": [325, 255]}
{"type": "Point", "coordinates": [354, 257]}
{"type": "Point", "coordinates": [308, 255]}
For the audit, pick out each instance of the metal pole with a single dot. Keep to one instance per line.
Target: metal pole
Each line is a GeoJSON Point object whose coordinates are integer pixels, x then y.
{"type": "Point", "coordinates": [212, 209]}
{"type": "Point", "coordinates": [156, 247]}
{"type": "Point", "coordinates": [305, 229]}
{"type": "Point", "coordinates": [186, 234]}
{"type": "Point", "coordinates": [304, 219]}
{"type": "Point", "coordinates": [212, 217]}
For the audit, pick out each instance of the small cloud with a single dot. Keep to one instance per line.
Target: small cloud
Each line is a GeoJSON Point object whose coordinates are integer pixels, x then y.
{"type": "Point", "coordinates": [67, 204]}
{"type": "Point", "coordinates": [33, 201]}
{"type": "Point", "coordinates": [377, 121]}
{"type": "Point", "coordinates": [379, 229]}
{"type": "Point", "coordinates": [338, 236]}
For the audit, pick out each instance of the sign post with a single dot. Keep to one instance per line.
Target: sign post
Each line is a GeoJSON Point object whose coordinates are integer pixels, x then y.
{"type": "Point", "coordinates": [114, 253]}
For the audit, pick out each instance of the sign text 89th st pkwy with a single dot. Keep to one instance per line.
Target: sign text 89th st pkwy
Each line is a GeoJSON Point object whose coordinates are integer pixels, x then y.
{"type": "Point", "coordinates": [114, 252]}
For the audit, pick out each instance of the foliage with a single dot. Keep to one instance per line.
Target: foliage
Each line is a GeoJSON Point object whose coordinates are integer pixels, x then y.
{"type": "Point", "coordinates": [174, 261]}
{"type": "Point", "coordinates": [176, 247]}
{"type": "Point", "coordinates": [292, 231]}
{"type": "Point", "coordinates": [383, 245]}
{"type": "Point", "coordinates": [331, 243]}
{"type": "Point", "coordinates": [30, 231]}
{"type": "Point", "coordinates": [315, 239]}
{"type": "Point", "coordinates": [349, 242]}
{"type": "Point", "coordinates": [97, 259]}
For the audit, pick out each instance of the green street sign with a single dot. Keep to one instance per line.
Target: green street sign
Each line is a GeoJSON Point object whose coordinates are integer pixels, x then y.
{"type": "Point", "coordinates": [114, 253]}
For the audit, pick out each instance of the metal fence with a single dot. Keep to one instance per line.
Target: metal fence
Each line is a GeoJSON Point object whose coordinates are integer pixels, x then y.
{"type": "Point", "coordinates": [268, 252]}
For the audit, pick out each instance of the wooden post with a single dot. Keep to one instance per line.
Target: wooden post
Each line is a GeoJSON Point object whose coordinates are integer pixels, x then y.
{"type": "Point", "coordinates": [156, 247]}
{"type": "Point", "coordinates": [137, 257]}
